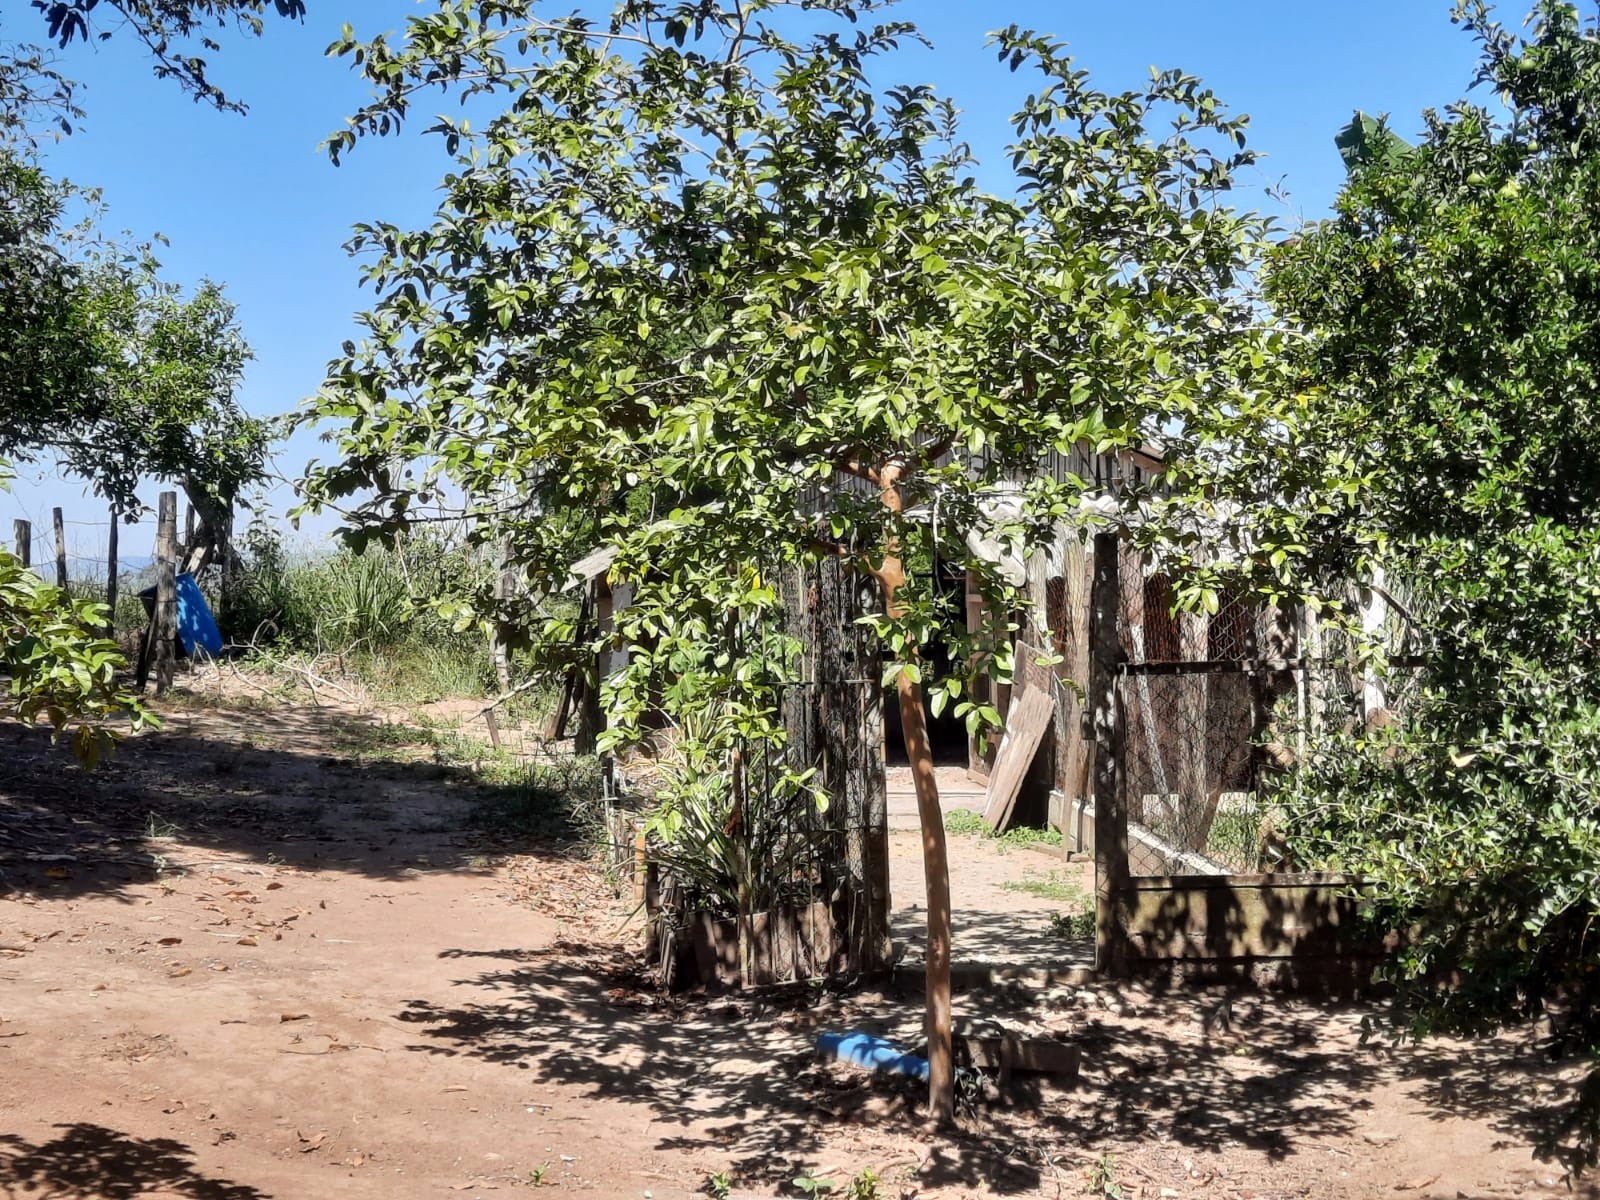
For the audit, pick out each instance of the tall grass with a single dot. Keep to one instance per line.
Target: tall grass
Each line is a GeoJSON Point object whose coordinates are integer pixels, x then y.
{"type": "Point", "coordinates": [375, 612]}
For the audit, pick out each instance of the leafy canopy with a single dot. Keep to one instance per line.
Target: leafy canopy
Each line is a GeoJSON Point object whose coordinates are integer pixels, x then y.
{"type": "Point", "coordinates": [106, 366]}
{"type": "Point", "coordinates": [695, 272]}
{"type": "Point", "coordinates": [1451, 378]}
{"type": "Point", "coordinates": [171, 31]}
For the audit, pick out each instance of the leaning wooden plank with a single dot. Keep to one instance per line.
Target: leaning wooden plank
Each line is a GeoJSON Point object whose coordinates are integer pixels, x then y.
{"type": "Point", "coordinates": [1031, 709]}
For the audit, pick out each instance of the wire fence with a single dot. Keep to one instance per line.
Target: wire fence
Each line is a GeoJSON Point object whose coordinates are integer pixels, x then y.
{"type": "Point", "coordinates": [1213, 707]}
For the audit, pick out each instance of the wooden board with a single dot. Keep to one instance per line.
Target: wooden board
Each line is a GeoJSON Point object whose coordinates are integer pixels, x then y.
{"type": "Point", "coordinates": [1032, 706]}
{"type": "Point", "coordinates": [1012, 1053]}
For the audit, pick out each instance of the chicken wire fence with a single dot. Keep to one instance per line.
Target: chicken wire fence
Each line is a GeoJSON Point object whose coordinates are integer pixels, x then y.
{"type": "Point", "coordinates": [1214, 706]}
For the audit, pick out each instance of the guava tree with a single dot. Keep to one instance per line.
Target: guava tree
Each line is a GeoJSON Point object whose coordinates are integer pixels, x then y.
{"type": "Point", "coordinates": [1453, 378]}
{"type": "Point", "coordinates": [695, 272]}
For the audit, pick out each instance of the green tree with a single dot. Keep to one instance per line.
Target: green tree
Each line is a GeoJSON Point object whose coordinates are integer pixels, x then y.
{"type": "Point", "coordinates": [695, 273]}
{"type": "Point", "coordinates": [101, 362]}
{"type": "Point", "coordinates": [1451, 374]}
{"type": "Point", "coordinates": [112, 370]}
{"type": "Point", "coordinates": [170, 31]}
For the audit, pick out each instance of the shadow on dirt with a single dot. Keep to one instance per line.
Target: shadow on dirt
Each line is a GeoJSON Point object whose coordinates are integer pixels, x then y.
{"type": "Point", "coordinates": [91, 1160]}
{"type": "Point", "coordinates": [310, 792]}
{"type": "Point", "coordinates": [1005, 940]}
{"type": "Point", "coordinates": [737, 1077]}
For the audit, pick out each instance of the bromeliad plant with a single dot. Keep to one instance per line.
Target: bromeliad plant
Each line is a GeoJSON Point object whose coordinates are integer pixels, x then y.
{"type": "Point", "coordinates": [695, 272]}
{"type": "Point", "coordinates": [733, 813]}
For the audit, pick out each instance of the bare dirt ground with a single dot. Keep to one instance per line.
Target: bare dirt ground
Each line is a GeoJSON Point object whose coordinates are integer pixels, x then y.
{"type": "Point", "coordinates": [279, 952]}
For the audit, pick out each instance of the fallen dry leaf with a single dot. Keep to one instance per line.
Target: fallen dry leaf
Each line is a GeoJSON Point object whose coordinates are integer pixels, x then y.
{"type": "Point", "coordinates": [170, 941]}
{"type": "Point", "coordinates": [179, 973]}
{"type": "Point", "coordinates": [247, 941]}
{"type": "Point", "coordinates": [308, 1144]}
{"type": "Point", "coordinates": [219, 966]}
{"type": "Point", "coordinates": [287, 1017]}
{"type": "Point", "coordinates": [274, 886]}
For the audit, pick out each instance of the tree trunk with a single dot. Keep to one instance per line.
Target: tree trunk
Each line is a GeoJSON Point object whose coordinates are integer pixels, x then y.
{"type": "Point", "coordinates": [936, 871]}
{"type": "Point", "coordinates": [935, 858]}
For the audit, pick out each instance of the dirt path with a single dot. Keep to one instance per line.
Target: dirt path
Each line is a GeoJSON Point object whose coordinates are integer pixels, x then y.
{"type": "Point", "coordinates": [285, 954]}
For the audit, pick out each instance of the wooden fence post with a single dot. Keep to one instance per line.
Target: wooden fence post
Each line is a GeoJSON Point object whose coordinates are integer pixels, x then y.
{"type": "Point", "coordinates": [1112, 879]}
{"type": "Point", "coordinates": [228, 581]}
{"type": "Point", "coordinates": [504, 589]}
{"type": "Point", "coordinates": [61, 548]}
{"type": "Point", "coordinates": [22, 535]}
{"type": "Point", "coordinates": [111, 573]}
{"type": "Point", "coordinates": [166, 630]}
{"type": "Point", "coordinates": [163, 629]}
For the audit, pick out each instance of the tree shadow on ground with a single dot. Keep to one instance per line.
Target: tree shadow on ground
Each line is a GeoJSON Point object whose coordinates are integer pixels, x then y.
{"type": "Point", "coordinates": [91, 1161]}
{"type": "Point", "coordinates": [738, 1077]}
{"type": "Point", "coordinates": [999, 939]}
{"type": "Point", "coordinates": [309, 791]}
{"type": "Point", "coordinates": [1545, 1091]}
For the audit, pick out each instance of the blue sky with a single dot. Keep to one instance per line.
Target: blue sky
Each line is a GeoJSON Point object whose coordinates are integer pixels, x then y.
{"type": "Point", "coordinates": [251, 202]}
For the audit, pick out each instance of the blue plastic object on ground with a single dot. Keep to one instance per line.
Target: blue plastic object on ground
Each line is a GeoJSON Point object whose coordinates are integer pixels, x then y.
{"type": "Point", "coordinates": [873, 1053]}
{"type": "Point", "coordinates": [196, 626]}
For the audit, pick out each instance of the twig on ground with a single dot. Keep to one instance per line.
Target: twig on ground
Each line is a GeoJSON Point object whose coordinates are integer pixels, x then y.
{"type": "Point", "coordinates": [524, 686]}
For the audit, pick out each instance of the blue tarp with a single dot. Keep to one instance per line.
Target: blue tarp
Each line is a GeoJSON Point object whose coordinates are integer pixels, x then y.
{"type": "Point", "coordinates": [196, 626]}
{"type": "Point", "coordinates": [873, 1053]}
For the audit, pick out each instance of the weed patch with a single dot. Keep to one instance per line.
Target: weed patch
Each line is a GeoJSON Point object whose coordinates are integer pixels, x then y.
{"type": "Point", "coordinates": [1055, 886]}
{"type": "Point", "coordinates": [962, 822]}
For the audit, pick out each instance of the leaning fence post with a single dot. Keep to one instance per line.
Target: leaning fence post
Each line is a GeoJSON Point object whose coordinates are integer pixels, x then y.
{"type": "Point", "coordinates": [1112, 879]}
{"type": "Point", "coordinates": [22, 535]}
{"type": "Point", "coordinates": [111, 573]}
{"type": "Point", "coordinates": [61, 548]}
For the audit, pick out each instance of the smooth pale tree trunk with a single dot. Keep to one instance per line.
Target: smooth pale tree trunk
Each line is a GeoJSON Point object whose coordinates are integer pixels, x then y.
{"type": "Point", "coordinates": [935, 858]}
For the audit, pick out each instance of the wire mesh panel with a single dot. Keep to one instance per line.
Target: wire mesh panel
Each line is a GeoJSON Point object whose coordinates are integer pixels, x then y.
{"type": "Point", "coordinates": [1189, 773]}
{"type": "Point", "coordinates": [1201, 696]}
